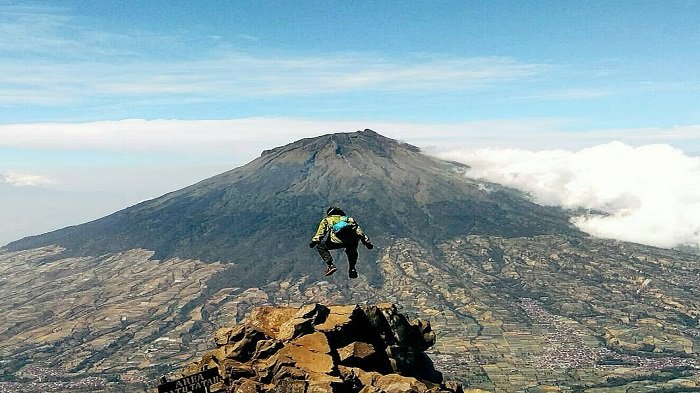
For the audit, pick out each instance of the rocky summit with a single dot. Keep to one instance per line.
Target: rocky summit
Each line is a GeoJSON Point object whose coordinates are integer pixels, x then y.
{"type": "Point", "coordinates": [317, 348]}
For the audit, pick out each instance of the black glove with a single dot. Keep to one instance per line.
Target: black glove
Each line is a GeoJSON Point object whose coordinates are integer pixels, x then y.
{"type": "Point", "coordinates": [313, 244]}
{"type": "Point", "coordinates": [369, 246]}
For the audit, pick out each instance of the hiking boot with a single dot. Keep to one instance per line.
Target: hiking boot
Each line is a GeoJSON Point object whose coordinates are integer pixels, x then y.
{"type": "Point", "coordinates": [330, 270]}
{"type": "Point", "coordinates": [352, 273]}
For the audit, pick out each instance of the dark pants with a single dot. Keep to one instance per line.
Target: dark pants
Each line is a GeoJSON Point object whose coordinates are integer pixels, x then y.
{"type": "Point", "coordinates": [350, 250]}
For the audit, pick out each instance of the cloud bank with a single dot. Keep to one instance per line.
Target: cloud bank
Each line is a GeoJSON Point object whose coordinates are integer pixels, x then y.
{"type": "Point", "coordinates": [648, 194]}
{"type": "Point", "coordinates": [258, 133]}
{"type": "Point", "coordinates": [24, 179]}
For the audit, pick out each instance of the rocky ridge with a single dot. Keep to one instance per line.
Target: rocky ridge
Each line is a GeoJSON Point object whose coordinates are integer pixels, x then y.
{"type": "Point", "coordinates": [317, 348]}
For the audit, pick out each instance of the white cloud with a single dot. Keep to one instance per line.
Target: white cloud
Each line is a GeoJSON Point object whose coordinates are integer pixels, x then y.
{"type": "Point", "coordinates": [254, 134]}
{"type": "Point", "coordinates": [650, 193]}
{"type": "Point", "coordinates": [50, 57]}
{"type": "Point", "coordinates": [239, 75]}
{"type": "Point", "coordinates": [569, 94]}
{"type": "Point", "coordinates": [24, 179]}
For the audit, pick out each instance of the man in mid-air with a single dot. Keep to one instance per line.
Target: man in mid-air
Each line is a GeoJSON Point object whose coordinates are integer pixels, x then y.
{"type": "Point", "coordinates": [337, 231]}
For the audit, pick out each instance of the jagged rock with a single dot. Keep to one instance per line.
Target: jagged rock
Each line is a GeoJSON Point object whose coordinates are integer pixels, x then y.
{"type": "Point", "coordinates": [306, 359]}
{"type": "Point", "coordinates": [225, 335]}
{"type": "Point", "coordinates": [358, 375]}
{"type": "Point", "coordinates": [397, 329]}
{"type": "Point", "coordinates": [338, 318]}
{"type": "Point", "coordinates": [266, 348]}
{"type": "Point", "coordinates": [395, 383]}
{"type": "Point", "coordinates": [234, 369]}
{"type": "Point", "coordinates": [316, 342]}
{"type": "Point", "coordinates": [245, 385]}
{"type": "Point", "coordinates": [285, 323]}
{"type": "Point", "coordinates": [357, 351]}
{"type": "Point", "coordinates": [317, 348]}
{"type": "Point", "coordinates": [291, 386]}
{"type": "Point", "coordinates": [288, 372]}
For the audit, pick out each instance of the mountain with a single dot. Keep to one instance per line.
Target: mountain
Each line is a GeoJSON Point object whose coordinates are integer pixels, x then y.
{"type": "Point", "coordinates": [260, 216]}
{"type": "Point", "coordinates": [519, 299]}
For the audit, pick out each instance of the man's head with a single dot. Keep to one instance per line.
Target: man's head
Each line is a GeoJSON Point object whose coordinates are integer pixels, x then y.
{"type": "Point", "coordinates": [335, 211]}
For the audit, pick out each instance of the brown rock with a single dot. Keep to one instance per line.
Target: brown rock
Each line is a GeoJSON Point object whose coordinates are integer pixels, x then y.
{"type": "Point", "coordinates": [288, 372]}
{"type": "Point", "coordinates": [366, 378]}
{"type": "Point", "coordinates": [395, 383]}
{"type": "Point", "coordinates": [338, 317]}
{"type": "Point", "coordinates": [270, 320]}
{"type": "Point", "coordinates": [322, 387]}
{"type": "Point", "coordinates": [245, 385]}
{"type": "Point", "coordinates": [316, 342]}
{"type": "Point", "coordinates": [265, 369]}
{"type": "Point", "coordinates": [246, 346]}
{"type": "Point", "coordinates": [290, 386]}
{"type": "Point", "coordinates": [266, 348]}
{"type": "Point", "coordinates": [285, 323]}
{"type": "Point", "coordinates": [454, 387]}
{"type": "Point", "coordinates": [191, 368]}
{"type": "Point", "coordinates": [208, 361]}
{"type": "Point", "coordinates": [323, 383]}
{"type": "Point", "coordinates": [235, 369]}
{"type": "Point", "coordinates": [356, 351]}
{"type": "Point", "coordinates": [284, 349]}
{"type": "Point", "coordinates": [306, 360]}
{"type": "Point", "coordinates": [228, 334]}
{"type": "Point", "coordinates": [316, 312]}
{"type": "Point", "coordinates": [217, 387]}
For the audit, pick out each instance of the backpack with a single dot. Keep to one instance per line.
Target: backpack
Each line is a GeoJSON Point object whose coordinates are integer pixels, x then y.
{"type": "Point", "coordinates": [343, 226]}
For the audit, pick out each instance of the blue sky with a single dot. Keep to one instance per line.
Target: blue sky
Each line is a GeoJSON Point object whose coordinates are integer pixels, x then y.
{"type": "Point", "coordinates": [135, 98]}
{"type": "Point", "coordinates": [597, 64]}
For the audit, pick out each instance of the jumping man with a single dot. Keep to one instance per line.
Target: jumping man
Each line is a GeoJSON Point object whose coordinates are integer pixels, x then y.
{"type": "Point", "coordinates": [337, 231]}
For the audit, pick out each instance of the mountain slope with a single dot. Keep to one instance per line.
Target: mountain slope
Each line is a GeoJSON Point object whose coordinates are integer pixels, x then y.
{"type": "Point", "coordinates": [261, 215]}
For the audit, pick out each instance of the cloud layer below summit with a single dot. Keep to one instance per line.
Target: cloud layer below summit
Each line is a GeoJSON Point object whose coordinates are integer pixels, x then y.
{"type": "Point", "coordinates": [647, 194]}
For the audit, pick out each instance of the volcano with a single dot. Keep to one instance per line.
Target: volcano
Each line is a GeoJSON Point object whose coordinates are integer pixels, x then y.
{"type": "Point", "coordinates": [260, 216]}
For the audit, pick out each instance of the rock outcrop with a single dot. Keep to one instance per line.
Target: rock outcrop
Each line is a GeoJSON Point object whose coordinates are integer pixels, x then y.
{"type": "Point", "coordinates": [319, 348]}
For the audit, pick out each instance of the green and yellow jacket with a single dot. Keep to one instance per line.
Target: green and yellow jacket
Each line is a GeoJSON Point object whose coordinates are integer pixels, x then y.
{"type": "Point", "coordinates": [326, 226]}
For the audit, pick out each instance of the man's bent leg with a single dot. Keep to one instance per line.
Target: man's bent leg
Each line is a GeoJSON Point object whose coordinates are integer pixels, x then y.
{"type": "Point", "coordinates": [323, 250]}
{"type": "Point", "coordinates": [351, 252]}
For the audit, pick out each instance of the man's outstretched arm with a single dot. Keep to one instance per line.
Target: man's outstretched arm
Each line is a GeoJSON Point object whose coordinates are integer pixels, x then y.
{"type": "Point", "coordinates": [363, 237]}
{"type": "Point", "coordinates": [320, 233]}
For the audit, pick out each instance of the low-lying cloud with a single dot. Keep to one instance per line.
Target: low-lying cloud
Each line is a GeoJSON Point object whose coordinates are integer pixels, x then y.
{"type": "Point", "coordinates": [24, 179]}
{"type": "Point", "coordinates": [648, 194]}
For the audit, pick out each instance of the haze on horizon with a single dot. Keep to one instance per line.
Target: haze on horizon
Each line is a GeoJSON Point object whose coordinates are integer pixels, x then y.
{"type": "Point", "coordinates": [584, 105]}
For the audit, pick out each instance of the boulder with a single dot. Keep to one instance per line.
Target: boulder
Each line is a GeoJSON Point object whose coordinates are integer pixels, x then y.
{"type": "Point", "coordinates": [356, 352]}
{"type": "Point", "coordinates": [395, 383]}
{"type": "Point", "coordinates": [317, 348]}
{"type": "Point", "coordinates": [306, 359]}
